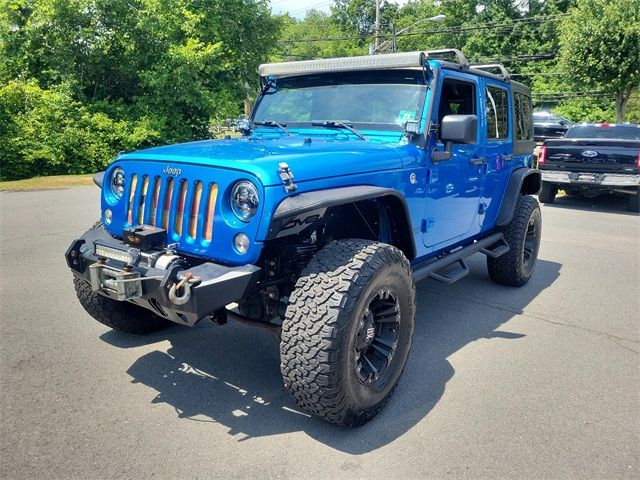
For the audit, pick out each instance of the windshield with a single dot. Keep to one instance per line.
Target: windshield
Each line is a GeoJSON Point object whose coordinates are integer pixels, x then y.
{"type": "Point", "coordinates": [620, 132]}
{"type": "Point", "coordinates": [365, 100]}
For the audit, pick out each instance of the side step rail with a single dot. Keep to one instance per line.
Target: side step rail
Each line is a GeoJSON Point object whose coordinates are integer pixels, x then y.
{"type": "Point", "coordinates": [450, 277]}
{"type": "Point", "coordinates": [493, 246]}
{"type": "Point", "coordinates": [495, 251]}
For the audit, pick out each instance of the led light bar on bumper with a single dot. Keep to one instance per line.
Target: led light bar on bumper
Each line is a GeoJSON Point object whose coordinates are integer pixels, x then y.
{"type": "Point", "coordinates": [129, 256]}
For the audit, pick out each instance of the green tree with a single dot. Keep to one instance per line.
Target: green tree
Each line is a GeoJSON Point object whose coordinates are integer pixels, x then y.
{"type": "Point", "coordinates": [97, 69]}
{"type": "Point", "coordinates": [600, 46]}
{"type": "Point", "coordinates": [299, 39]}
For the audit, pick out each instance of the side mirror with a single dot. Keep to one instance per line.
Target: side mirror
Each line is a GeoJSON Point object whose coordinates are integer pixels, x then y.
{"type": "Point", "coordinates": [456, 129]}
{"type": "Point", "coordinates": [459, 129]}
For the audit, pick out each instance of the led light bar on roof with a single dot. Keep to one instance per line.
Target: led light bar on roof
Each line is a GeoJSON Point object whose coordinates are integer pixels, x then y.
{"type": "Point", "coordinates": [345, 64]}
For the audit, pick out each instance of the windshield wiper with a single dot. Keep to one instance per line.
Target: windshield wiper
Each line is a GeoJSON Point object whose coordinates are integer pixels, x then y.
{"type": "Point", "coordinates": [271, 123]}
{"type": "Point", "coordinates": [336, 124]}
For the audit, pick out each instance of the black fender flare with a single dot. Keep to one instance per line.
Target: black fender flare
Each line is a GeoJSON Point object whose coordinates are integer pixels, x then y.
{"type": "Point", "coordinates": [297, 212]}
{"type": "Point", "coordinates": [523, 181]}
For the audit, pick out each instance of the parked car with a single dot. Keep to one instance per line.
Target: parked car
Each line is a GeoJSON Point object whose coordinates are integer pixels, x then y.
{"type": "Point", "coordinates": [549, 125]}
{"type": "Point", "coordinates": [355, 178]}
{"type": "Point", "coordinates": [593, 159]}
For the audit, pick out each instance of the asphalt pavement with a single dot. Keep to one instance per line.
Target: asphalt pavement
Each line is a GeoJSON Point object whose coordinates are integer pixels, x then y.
{"type": "Point", "coordinates": [537, 382]}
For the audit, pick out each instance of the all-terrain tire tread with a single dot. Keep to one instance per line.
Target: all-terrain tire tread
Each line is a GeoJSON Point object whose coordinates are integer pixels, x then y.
{"type": "Point", "coordinates": [121, 316]}
{"type": "Point", "coordinates": [319, 307]}
{"type": "Point", "coordinates": [507, 268]}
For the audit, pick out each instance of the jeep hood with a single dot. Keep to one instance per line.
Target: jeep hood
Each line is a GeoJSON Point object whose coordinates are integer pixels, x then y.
{"type": "Point", "coordinates": [320, 158]}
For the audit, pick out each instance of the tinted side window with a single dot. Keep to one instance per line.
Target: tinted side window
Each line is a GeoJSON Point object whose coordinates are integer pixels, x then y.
{"type": "Point", "coordinates": [523, 116]}
{"type": "Point", "coordinates": [497, 111]}
{"type": "Point", "coordinates": [457, 98]}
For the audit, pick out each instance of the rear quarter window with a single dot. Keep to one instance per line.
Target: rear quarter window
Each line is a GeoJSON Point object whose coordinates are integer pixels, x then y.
{"type": "Point", "coordinates": [497, 113]}
{"type": "Point", "coordinates": [523, 116]}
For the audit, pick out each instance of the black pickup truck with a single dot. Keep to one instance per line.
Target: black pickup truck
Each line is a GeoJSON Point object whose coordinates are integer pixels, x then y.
{"type": "Point", "coordinates": [592, 159]}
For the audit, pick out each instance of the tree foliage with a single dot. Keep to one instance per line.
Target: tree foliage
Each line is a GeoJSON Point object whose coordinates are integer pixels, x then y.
{"type": "Point", "coordinates": [525, 35]}
{"type": "Point", "coordinates": [600, 44]}
{"type": "Point", "coordinates": [82, 79]}
{"type": "Point", "coordinates": [164, 69]}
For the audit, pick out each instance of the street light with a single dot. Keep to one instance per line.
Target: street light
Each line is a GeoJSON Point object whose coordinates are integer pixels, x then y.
{"type": "Point", "coordinates": [394, 35]}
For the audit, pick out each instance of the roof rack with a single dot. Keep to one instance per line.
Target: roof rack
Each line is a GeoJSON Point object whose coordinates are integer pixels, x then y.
{"type": "Point", "coordinates": [492, 66]}
{"type": "Point", "coordinates": [462, 60]}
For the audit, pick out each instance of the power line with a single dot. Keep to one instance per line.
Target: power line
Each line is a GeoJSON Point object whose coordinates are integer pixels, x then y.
{"type": "Point", "coordinates": [313, 6]}
{"type": "Point", "coordinates": [493, 25]}
{"type": "Point", "coordinates": [541, 74]}
{"type": "Point", "coordinates": [532, 57]}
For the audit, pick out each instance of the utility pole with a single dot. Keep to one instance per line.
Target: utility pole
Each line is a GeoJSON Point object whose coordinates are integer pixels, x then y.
{"type": "Point", "coordinates": [376, 42]}
{"type": "Point", "coordinates": [392, 43]}
{"type": "Point", "coordinates": [394, 39]}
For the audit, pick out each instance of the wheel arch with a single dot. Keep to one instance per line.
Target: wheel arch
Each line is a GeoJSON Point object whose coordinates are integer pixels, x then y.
{"type": "Point", "coordinates": [523, 181]}
{"type": "Point", "coordinates": [296, 213]}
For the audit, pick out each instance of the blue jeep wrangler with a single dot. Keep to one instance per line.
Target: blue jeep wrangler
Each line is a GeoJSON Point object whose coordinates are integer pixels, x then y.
{"type": "Point", "coordinates": [354, 179]}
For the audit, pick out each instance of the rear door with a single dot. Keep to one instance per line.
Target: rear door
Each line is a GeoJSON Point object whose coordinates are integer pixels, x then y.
{"type": "Point", "coordinates": [496, 130]}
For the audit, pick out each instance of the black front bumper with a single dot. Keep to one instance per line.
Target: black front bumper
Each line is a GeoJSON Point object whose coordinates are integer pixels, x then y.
{"type": "Point", "coordinates": [212, 286]}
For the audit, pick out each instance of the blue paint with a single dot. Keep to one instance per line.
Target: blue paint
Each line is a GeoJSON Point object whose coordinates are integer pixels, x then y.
{"type": "Point", "coordinates": [449, 202]}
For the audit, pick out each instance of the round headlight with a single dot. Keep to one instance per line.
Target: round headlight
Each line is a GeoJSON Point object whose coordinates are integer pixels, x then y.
{"type": "Point", "coordinates": [117, 182]}
{"type": "Point", "coordinates": [244, 200]}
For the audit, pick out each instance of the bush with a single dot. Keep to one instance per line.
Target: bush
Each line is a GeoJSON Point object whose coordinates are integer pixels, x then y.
{"type": "Point", "coordinates": [47, 132]}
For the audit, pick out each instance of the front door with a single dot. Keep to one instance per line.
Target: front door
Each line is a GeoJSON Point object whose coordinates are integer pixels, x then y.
{"type": "Point", "coordinates": [455, 185]}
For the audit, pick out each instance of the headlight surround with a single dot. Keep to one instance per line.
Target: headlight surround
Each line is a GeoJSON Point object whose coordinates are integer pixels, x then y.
{"type": "Point", "coordinates": [244, 200]}
{"type": "Point", "coordinates": [117, 182]}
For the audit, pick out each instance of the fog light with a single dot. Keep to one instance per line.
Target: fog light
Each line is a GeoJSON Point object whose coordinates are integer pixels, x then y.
{"type": "Point", "coordinates": [241, 242]}
{"type": "Point", "coordinates": [108, 215]}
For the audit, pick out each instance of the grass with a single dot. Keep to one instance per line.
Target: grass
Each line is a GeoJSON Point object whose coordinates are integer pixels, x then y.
{"type": "Point", "coordinates": [46, 183]}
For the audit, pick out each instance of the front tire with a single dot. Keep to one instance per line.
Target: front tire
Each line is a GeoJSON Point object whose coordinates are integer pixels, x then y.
{"type": "Point", "coordinates": [547, 193]}
{"type": "Point", "coordinates": [122, 316]}
{"type": "Point", "coordinates": [515, 267]}
{"type": "Point", "coordinates": [347, 330]}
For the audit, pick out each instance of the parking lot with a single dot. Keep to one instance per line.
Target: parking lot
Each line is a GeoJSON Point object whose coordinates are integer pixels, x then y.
{"type": "Point", "coordinates": [541, 381]}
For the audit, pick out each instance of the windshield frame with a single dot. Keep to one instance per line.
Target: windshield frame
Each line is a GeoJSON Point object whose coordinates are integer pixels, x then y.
{"type": "Point", "coordinates": [373, 77]}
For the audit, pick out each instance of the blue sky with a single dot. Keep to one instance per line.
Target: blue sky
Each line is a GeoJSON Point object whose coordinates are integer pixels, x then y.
{"type": "Point", "coordinates": [297, 8]}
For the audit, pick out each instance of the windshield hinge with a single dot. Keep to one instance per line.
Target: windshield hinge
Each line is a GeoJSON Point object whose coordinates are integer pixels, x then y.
{"type": "Point", "coordinates": [266, 84]}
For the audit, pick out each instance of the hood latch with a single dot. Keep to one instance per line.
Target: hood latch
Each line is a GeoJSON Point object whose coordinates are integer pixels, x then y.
{"type": "Point", "coordinates": [286, 175]}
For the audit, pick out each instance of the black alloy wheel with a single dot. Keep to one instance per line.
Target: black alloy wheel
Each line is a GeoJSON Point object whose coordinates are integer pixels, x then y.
{"type": "Point", "coordinates": [377, 338]}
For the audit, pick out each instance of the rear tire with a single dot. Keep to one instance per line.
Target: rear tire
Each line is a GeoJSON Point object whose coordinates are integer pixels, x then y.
{"type": "Point", "coordinates": [351, 315]}
{"type": "Point", "coordinates": [633, 202]}
{"type": "Point", "coordinates": [547, 193]}
{"type": "Point", "coordinates": [515, 267]}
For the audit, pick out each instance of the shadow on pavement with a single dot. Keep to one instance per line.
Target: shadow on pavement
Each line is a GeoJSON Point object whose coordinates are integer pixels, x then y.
{"type": "Point", "coordinates": [230, 374]}
{"type": "Point", "coordinates": [602, 204]}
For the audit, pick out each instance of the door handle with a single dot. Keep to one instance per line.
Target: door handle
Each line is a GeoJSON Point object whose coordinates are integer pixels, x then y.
{"type": "Point", "coordinates": [507, 158]}
{"type": "Point", "coordinates": [478, 160]}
